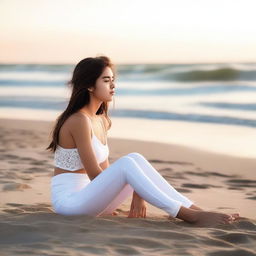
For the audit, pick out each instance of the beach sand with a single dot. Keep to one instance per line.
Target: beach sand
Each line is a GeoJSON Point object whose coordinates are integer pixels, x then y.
{"type": "Point", "coordinates": [213, 181]}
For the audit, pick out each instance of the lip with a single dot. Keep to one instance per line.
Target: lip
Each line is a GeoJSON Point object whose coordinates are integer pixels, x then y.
{"type": "Point", "coordinates": [112, 92]}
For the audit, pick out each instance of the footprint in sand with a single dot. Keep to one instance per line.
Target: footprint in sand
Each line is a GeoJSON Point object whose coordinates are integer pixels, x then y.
{"type": "Point", "coordinates": [25, 208]}
{"type": "Point", "coordinates": [201, 174]}
{"type": "Point", "coordinates": [9, 156]}
{"type": "Point", "coordinates": [200, 186]}
{"type": "Point", "coordinates": [15, 186]}
{"type": "Point", "coordinates": [251, 197]}
{"type": "Point", "coordinates": [245, 183]}
{"type": "Point", "coordinates": [168, 169]}
{"type": "Point", "coordinates": [27, 159]}
{"type": "Point", "coordinates": [169, 162]}
{"type": "Point", "coordinates": [235, 188]}
{"type": "Point", "coordinates": [183, 190]}
{"type": "Point", "coordinates": [221, 175]}
{"type": "Point", "coordinates": [36, 170]}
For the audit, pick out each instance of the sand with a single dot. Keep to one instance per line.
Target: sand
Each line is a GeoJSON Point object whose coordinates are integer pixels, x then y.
{"type": "Point", "coordinates": [213, 181]}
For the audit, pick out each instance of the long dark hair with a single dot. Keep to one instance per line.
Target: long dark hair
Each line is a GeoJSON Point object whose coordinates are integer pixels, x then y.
{"type": "Point", "coordinates": [85, 74]}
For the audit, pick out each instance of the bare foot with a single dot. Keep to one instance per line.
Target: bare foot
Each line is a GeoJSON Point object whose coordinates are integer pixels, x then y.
{"type": "Point", "coordinates": [110, 214]}
{"type": "Point", "coordinates": [114, 213]}
{"type": "Point", "coordinates": [194, 207]}
{"type": "Point", "coordinates": [235, 216]}
{"type": "Point", "coordinates": [205, 218]}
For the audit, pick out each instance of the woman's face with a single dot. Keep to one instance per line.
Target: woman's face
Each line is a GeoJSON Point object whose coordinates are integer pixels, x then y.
{"type": "Point", "coordinates": [104, 85]}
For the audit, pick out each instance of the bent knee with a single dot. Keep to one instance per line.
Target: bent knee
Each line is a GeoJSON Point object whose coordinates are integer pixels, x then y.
{"type": "Point", "coordinates": [135, 155]}
{"type": "Point", "coordinates": [125, 159]}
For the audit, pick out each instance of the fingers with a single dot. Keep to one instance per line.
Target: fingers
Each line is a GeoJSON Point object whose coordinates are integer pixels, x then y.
{"type": "Point", "coordinates": [144, 213]}
{"type": "Point", "coordinates": [137, 213]}
{"type": "Point", "coordinates": [228, 219]}
{"type": "Point", "coordinates": [137, 209]}
{"type": "Point", "coordinates": [131, 214]}
{"type": "Point", "coordinates": [235, 215]}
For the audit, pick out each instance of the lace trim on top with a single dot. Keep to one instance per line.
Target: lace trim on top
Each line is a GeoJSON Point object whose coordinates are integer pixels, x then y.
{"type": "Point", "coordinates": [67, 158]}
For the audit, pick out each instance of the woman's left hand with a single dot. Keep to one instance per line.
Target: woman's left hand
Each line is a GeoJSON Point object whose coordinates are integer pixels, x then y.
{"type": "Point", "coordinates": [138, 207]}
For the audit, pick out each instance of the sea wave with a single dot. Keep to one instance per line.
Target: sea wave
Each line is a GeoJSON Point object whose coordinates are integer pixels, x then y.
{"type": "Point", "coordinates": [189, 117]}
{"type": "Point", "coordinates": [139, 72]}
{"type": "Point", "coordinates": [190, 75]}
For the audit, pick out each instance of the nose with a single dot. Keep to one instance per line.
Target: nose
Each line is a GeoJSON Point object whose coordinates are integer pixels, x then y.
{"type": "Point", "coordinates": [113, 85]}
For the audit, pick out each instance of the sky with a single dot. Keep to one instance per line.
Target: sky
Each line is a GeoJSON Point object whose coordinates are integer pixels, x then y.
{"type": "Point", "coordinates": [129, 32]}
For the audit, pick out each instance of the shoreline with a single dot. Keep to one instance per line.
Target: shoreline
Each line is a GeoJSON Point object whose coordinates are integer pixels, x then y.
{"type": "Point", "coordinates": [229, 140]}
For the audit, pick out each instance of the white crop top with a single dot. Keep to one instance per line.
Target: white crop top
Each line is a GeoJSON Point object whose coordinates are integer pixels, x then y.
{"type": "Point", "coordinates": [69, 159]}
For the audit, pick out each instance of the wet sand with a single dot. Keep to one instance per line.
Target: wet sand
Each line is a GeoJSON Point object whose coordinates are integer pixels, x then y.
{"type": "Point", "coordinates": [213, 181]}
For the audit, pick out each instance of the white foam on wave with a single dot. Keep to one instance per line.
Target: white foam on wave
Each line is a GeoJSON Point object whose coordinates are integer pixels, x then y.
{"type": "Point", "coordinates": [34, 76]}
{"type": "Point", "coordinates": [180, 104]}
{"type": "Point", "coordinates": [189, 104]}
{"type": "Point", "coordinates": [35, 91]}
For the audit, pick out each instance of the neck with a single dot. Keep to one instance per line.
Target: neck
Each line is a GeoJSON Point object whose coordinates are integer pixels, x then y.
{"type": "Point", "coordinates": [92, 108]}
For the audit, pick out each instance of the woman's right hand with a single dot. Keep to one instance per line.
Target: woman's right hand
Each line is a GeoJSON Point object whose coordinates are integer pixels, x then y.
{"type": "Point", "coordinates": [138, 208]}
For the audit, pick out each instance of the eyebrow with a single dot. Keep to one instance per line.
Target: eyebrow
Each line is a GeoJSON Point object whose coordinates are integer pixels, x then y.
{"type": "Point", "coordinates": [107, 77]}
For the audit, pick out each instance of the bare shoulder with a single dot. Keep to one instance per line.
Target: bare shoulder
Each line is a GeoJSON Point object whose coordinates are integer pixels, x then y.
{"type": "Point", "coordinates": [80, 130]}
{"type": "Point", "coordinates": [78, 122]}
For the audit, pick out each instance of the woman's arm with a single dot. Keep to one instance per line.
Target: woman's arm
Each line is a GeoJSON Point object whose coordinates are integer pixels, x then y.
{"type": "Point", "coordinates": [104, 165]}
{"type": "Point", "coordinates": [80, 129]}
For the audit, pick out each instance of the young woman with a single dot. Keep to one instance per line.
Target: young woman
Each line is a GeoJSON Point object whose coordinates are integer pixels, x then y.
{"type": "Point", "coordinates": [84, 182]}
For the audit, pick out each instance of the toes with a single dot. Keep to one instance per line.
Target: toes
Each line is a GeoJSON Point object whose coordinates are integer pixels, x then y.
{"type": "Point", "coordinates": [235, 216]}
{"type": "Point", "coordinates": [224, 221]}
{"type": "Point", "coordinates": [228, 219]}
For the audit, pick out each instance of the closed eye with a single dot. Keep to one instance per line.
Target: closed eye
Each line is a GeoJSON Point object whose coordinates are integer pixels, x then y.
{"type": "Point", "coordinates": [109, 81]}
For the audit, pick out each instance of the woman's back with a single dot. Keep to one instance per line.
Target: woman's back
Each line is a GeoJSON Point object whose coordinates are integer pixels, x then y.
{"type": "Point", "coordinates": [67, 153]}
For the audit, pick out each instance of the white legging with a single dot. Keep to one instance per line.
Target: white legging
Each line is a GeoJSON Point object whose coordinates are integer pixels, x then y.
{"type": "Point", "coordinates": [76, 194]}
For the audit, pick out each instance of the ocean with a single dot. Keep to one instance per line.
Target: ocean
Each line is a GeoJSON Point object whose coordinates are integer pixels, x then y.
{"type": "Point", "coordinates": [207, 93]}
{"type": "Point", "coordinates": [209, 107]}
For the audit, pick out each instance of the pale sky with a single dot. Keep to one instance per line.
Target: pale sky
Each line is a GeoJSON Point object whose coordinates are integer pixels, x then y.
{"type": "Point", "coordinates": [131, 31]}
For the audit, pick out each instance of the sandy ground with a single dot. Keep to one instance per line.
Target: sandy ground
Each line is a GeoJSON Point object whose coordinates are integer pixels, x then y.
{"type": "Point", "coordinates": [213, 181]}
